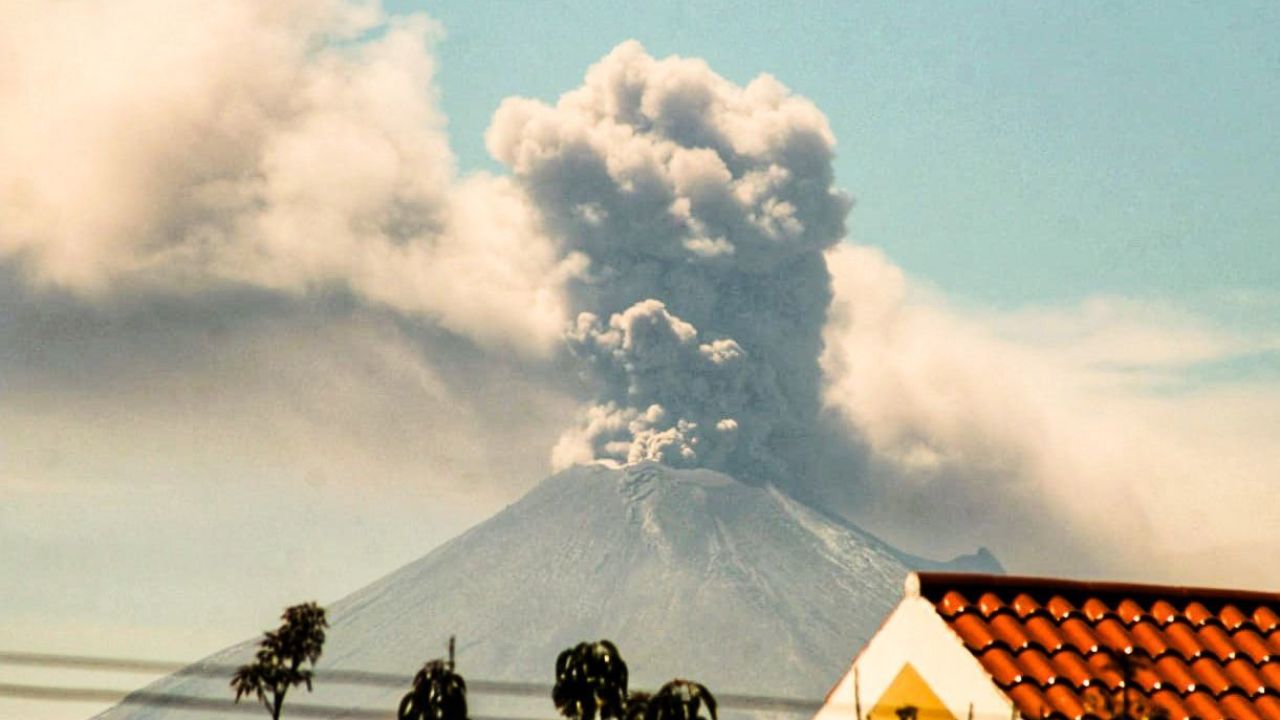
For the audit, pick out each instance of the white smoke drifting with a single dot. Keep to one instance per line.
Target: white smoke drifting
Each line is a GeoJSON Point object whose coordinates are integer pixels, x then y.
{"type": "Point", "coordinates": [703, 210]}
{"type": "Point", "coordinates": [182, 147]}
{"type": "Point", "coordinates": [1079, 440]}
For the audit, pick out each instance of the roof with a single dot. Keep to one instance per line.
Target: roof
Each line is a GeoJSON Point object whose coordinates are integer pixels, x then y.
{"type": "Point", "coordinates": [1059, 648]}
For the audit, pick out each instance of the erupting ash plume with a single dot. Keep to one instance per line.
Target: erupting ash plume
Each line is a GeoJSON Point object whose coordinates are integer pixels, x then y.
{"type": "Point", "coordinates": [702, 209]}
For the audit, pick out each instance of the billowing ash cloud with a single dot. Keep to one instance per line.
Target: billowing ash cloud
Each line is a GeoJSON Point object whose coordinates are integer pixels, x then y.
{"type": "Point", "coordinates": [174, 148]}
{"type": "Point", "coordinates": [703, 209]}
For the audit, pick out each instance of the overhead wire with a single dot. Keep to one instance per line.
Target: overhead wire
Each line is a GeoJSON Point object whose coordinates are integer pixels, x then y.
{"type": "Point", "coordinates": [192, 702]}
{"type": "Point", "coordinates": [304, 709]}
{"type": "Point", "coordinates": [344, 677]}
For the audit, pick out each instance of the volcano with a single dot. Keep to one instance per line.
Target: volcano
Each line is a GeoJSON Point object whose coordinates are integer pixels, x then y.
{"type": "Point", "coordinates": [690, 572]}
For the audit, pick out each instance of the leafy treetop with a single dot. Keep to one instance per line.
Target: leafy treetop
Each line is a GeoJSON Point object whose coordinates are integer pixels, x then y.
{"type": "Point", "coordinates": [278, 664]}
{"type": "Point", "coordinates": [438, 694]}
{"type": "Point", "coordinates": [591, 678]}
{"type": "Point", "coordinates": [682, 700]}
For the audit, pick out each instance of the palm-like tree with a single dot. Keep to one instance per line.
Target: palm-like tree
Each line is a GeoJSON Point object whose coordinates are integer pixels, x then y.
{"type": "Point", "coordinates": [681, 700]}
{"type": "Point", "coordinates": [278, 664]}
{"type": "Point", "coordinates": [591, 679]}
{"type": "Point", "coordinates": [438, 693]}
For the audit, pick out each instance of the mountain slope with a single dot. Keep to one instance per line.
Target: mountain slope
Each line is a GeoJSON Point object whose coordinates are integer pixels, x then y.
{"type": "Point", "coordinates": [691, 573]}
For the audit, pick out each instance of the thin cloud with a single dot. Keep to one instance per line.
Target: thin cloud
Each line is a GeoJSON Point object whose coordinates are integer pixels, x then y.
{"type": "Point", "coordinates": [1051, 434]}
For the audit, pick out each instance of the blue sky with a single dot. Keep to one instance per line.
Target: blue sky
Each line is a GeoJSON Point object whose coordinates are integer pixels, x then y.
{"type": "Point", "coordinates": [1006, 152]}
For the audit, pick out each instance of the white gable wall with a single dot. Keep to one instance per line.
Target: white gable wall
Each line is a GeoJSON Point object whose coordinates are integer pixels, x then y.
{"type": "Point", "coordinates": [915, 633]}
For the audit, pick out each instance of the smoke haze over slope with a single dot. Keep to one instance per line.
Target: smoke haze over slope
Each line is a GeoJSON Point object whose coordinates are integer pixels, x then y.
{"type": "Point", "coordinates": [672, 565]}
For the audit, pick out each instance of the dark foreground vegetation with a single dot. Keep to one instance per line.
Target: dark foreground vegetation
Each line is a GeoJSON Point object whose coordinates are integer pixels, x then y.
{"type": "Point", "coordinates": [591, 680]}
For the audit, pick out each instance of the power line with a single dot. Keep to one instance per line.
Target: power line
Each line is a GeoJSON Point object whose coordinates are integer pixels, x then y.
{"type": "Point", "coordinates": [84, 662]}
{"type": "Point", "coordinates": [354, 677]}
{"type": "Point", "coordinates": [298, 709]}
{"type": "Point", "coordinates": [190, 702]}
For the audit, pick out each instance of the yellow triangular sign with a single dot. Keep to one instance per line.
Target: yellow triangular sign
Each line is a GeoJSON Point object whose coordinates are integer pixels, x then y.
{"type": "Point", "coordinates": [909, 690]}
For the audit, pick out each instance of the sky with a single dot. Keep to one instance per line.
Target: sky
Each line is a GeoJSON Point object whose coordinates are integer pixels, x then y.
{"type": "Point", "coordinates": [1091, 147]}
{"type": "Point", "coordinates": [285, 303]}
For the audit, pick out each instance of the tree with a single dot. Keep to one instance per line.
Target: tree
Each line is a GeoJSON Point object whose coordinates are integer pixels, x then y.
{"type": "Point", "coordinates": [681, 700]}
{"type": "Point", "coordinates": [591, 678]}
{"type": "Point", "coordinates": [637, 706]}
{"type": "Point", "coordinates": [281, 655]}
{"type": "Point", "coordinates": [438, 694]}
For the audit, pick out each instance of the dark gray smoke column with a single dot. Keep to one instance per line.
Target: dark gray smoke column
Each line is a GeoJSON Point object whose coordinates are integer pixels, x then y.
{"type": "Point", "coordinates": [703, 209]}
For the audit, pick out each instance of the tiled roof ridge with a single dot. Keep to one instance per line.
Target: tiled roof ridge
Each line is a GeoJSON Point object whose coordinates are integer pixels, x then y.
{"type": "Point", "coordinates": [1061, 648]}
{"type": "Point", "coordinates": [933, 585]}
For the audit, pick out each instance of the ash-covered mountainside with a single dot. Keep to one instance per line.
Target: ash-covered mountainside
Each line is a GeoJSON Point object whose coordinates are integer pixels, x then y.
{"type": "Point", "coordinates": [692, 573]}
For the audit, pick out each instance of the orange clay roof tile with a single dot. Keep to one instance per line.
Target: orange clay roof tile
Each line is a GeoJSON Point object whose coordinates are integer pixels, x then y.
{"type": "Point", "coordinates": [1273, 641]}
{"type": "Point", "coordinates": [1184, 640]}
{"type": "Point", "coordinates": [1164, 612]}
{"type": "Point", "coordinates": [1025, 606]}
{"type": "Point", "coordinates": [1218, 642]}
{"type": "Point", "coordinates": [1105, 670]}
{"type": "Point", "coordinates": [952, 603]}
{"type": "Point", "coordinates": [1238, 707]}
{"type": "Point", "coordinates": [1080, 635]}
{"type": "Point", "coordinates": [1210, 676]}
{"type": "Point", "coordinates": [1001, 665]}
{"type": "Point", "coordinates": [1073, 669]}
{"type": "Point", "coordinates": [1131, 612]}
{"type": "Point", "coordinates": [988, 604]}
{"type": "Point", "coordinates": [1245, 676]}
{"type": "Point", "coordinates": [1065, 701]}
{"type": "Point", "coordinates": [1010, 631]}
{"type": "Point", "coordinates": [1175, 674]}
{"type": "Point", "coordinates": [973, 631]}
{"type": "Point", "coordinates": [1270, 671]}
{"type": "Point", "coordinates": [1197, 613]}
{"type": "Point", "coordinates": [1149, 638]}
{"type": "Point", "coordinates": [1202, 705]}
{"type": "Point", "coordinates": [1171, 703]}
{"type": "Point", "coordinates": [1266, 619]}
{"type": "Point", "coordinates": [1065, 649]}
{"type": "Point", "coordinates": [1252, 644]}
{"type": "Point", "coordinates": [1095, 610]}
{"type": "Point", "coordinates": [1231, 617]}
{"type": "Point", "coordinates": [1035, 664]}
{"type": "Point", "coordinates": [1060, 607]}
{"type": "Point", "coordinates": [1030, 699]}
{"type": "Point", "coordinates": [1268, 706]}
{"type": "Point", "coordinates": [1045, 633]}
{"type": "Point", "coordinates": [1113, 633]}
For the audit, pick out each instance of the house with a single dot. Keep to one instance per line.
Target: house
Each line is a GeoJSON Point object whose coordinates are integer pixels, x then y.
{"type": "Point", "coordinates": [993, 647]}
